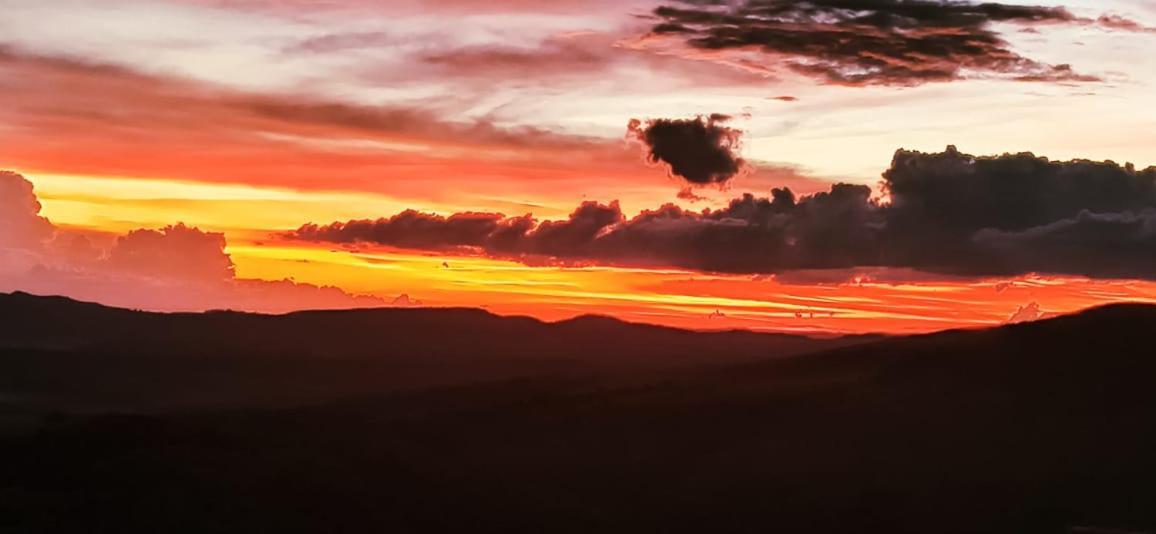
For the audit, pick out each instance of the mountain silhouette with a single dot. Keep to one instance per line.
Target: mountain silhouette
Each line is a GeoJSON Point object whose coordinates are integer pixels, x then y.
{"type": "Point", "coordinates": [68, 353]}
{"type": "Point", "coordinates": [1048, 426]}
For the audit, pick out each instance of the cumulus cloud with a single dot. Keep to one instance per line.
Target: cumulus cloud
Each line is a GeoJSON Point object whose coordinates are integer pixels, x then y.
{"type": "Point", "coordinates": [174, 268]}
{"type": "Point", "coordinates": [176, 251]}
{"type": "Point", "coordinates": [702, 150]}
{"type": "Point", "coordinates": [952, 211]}
{"type": "Point", "coordinates": [879, 42]}
{"type": "Point", "coordinates": [949, 213]}
{"type": "Point", "coordinates": [21, 225]}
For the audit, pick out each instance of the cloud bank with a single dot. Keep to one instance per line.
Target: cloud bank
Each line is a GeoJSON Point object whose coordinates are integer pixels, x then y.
{"type": "Point", "coordinates": [174, 268]}
{"type": "Point", "coordinates": [948, 212]}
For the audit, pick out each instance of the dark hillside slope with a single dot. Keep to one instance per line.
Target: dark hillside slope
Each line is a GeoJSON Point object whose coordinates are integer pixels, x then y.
{"type": "Point", "coordinates": [69, 355]}
{"type": "Point", "coordinates": [57, 323]}
{"type": "Point", "coordinates": [1047, 427]}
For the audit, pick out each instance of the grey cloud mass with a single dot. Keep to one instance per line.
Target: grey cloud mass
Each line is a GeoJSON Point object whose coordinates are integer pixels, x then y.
{"type": "Point", "coordinates": [948, 212]}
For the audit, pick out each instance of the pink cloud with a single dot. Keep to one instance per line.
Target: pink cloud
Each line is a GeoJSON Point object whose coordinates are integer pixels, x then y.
{"type": "Point", "coordinates": [176, 251]}
{"type": "Point", "coordinates": [175, 268]}
{"type": "Point", "coordinates": [21, 225]}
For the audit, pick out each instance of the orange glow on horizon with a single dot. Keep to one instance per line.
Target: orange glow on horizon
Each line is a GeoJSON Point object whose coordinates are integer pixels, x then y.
{"type": "Point", "coordinates": [250, 216]}
{"type": "Point", "coordinates": [679, 298]}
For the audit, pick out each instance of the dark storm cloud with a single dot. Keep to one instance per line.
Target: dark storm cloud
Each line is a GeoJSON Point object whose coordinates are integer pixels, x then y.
{"type": "Point", "coordinates": [873, 42]}
{"type": "Point", "coordinates": [949, 213]}
{"type": "Point", "coordinates": [702, 150]}
{"type": "Point", "coordinates": [411, 229]}
{"type": "Point", "coordinates": [944, 202]}
{"type": "Point", "coordinates": [1115, 245]}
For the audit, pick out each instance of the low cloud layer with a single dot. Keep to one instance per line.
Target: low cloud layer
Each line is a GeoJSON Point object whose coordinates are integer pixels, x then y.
{"type": "Point", "coordinates": [702, 150]}
{"type": "Point", "coordinates": [949, 213]}
{"type": "Point", "coordinates": [174, 268]}
{"type": "Point", "coordinates": [879, 42]}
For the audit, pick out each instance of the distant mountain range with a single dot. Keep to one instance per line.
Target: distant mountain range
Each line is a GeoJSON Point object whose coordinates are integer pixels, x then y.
{"type": "Point", "coordinates": [57, 349]}
{"type": "Point", "coordinates": [424, 420]}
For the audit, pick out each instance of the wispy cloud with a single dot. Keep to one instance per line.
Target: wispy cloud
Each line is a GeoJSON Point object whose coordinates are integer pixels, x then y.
{"type": "Point", "coordinates": [889, 42]}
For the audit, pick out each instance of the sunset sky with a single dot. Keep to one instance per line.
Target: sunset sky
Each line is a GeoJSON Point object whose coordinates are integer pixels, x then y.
{"type": "Point", "coordinates": [563, 157]}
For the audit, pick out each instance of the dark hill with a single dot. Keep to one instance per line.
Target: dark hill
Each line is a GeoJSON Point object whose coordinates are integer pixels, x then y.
{"type": "Point", "coordinates": [1047, 427]}
{"type": "Point", "coordinates": [74, 354]}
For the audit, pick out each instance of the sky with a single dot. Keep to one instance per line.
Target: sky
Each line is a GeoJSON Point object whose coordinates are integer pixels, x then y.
{"type": "Point", "coordinates": [829, 166]}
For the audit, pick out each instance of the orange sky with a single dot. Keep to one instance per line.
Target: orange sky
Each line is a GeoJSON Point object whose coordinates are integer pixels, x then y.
{"type": "Point", "coordinates": [682, 298]}
{"type": "Point", "coordinates": [302, 114]}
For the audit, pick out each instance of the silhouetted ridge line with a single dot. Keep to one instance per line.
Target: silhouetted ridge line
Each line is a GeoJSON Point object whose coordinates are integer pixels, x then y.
{"type": "Point", "coordinates": [72, 355]}
{"type": "Point", "coordinates": [1034, 427]}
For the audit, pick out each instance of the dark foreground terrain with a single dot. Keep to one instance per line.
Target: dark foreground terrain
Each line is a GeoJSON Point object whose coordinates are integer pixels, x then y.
{"type": "Point", "coordinates": [459, 421]}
